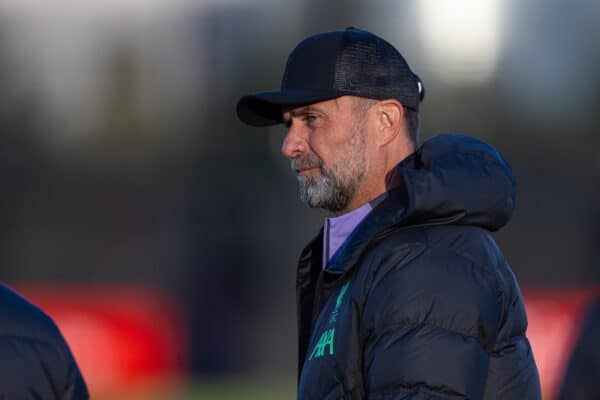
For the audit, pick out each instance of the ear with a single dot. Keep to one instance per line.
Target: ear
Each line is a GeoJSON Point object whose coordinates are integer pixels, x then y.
{"type": "Point", "coordinates": [390, 115]}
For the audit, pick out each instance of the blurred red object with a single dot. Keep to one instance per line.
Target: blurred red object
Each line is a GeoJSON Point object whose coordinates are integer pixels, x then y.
{"type": "Point", "coordinates": [555, 318]}
{"type": "Point", "coordinates": [131, 339]}
{"type": "Point", "coordinates": [126, 339]}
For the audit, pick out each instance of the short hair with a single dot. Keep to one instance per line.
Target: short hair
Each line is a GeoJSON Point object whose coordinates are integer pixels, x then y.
{"type": "Point", "coordinates": [361, 106]}
{"type": "Point", "coordinates": [411, 117]}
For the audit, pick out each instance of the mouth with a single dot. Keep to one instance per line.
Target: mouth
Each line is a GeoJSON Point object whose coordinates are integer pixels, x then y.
{"type": "Point", "coordinates": [306, 171]}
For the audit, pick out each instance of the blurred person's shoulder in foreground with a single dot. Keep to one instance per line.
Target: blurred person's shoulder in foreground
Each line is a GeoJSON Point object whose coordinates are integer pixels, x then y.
{"type": "Point", "coordinates": [35, 360]}
{"type": "Point", "coordinates": [403, 294]}
{"type": "Point", "coordinates": [581, 379]}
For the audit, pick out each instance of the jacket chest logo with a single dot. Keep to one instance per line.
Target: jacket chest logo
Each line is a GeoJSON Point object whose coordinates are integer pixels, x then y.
{"type": "Point", "coordinates": [325, 345]}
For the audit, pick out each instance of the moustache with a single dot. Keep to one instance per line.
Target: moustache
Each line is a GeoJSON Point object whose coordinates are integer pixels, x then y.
{"type": "Point", "coordinates": [306, 162]}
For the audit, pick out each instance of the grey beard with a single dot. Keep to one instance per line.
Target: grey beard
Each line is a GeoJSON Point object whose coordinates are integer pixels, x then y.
{"type": "Point", "coordinates": [335, 186]}
{"type": "Point", "coordinates": [325, 191]}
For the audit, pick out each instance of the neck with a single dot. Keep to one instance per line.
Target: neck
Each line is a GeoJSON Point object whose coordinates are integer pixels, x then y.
{"type": "Point", "coordinates": [362, 198]}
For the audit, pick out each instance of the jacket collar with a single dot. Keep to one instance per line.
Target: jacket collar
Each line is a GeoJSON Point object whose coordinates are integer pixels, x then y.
{"type": "Point", "coordinates": [450, 179]}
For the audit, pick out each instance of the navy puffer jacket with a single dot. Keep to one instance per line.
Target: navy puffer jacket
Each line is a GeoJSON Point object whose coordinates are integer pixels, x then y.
{"type": "Point", "coordinates": [35, 361]}
{"type": "Point", "coordinates": [419, 302]}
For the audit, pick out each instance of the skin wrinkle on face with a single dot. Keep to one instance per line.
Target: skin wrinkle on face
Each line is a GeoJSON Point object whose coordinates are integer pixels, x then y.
{"type": "Point", "coordinates": [334, 182]}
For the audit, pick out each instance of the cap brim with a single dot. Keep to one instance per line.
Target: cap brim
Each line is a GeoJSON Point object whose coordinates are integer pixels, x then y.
{"type": "Point", "coordinates": [266, 108]}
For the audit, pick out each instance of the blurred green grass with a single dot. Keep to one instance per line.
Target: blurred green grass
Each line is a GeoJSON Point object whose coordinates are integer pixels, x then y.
{"type": "Point", "coordinates": [203, 389]}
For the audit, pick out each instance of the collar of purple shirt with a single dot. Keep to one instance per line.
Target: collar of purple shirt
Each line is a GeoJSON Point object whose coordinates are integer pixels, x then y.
{"type": "Point", "coordinates": [338, 228]}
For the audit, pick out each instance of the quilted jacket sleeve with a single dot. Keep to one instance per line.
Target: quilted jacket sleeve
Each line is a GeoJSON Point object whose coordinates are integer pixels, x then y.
{"type": "Point", "coordinates": [431, 318]}
{"type": "Point", "coordinates": [67, 379]}
{"type": "Point", "coordinates": [35, 360]}
{"type": "Point", "coordinates": [36, 369]}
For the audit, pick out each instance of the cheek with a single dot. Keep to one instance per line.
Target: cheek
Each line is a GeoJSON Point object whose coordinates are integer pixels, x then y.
{"type": "Point", "coordinates": [319, 146]}
{"type": "Point", "coordinates": [331, 140]}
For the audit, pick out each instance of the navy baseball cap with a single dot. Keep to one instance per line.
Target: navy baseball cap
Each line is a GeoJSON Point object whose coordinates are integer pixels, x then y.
{"type": "Point", "coordinates": [332, 64]}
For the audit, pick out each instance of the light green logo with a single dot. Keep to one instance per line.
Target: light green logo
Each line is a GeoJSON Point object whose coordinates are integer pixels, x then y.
{"type": "Point", "coordinates": [326, 340]}
{"type": "Point", "coordinates": [338, 303]}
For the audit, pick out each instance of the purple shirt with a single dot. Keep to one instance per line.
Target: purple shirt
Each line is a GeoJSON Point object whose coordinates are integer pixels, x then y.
{"type": "Point", "coordinates": [337, 230]}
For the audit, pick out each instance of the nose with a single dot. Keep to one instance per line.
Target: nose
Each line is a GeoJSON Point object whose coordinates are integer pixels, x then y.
{"type": "Point", "coordinates": [294, 143]}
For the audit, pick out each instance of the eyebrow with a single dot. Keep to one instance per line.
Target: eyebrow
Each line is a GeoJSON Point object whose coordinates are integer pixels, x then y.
{"type": "Point", "coordinates": [304, 110]}
{"type": "Point", "coordinates": [288, 114]}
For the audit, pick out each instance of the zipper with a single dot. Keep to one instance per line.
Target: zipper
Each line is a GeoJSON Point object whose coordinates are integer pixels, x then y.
{"type": "Point", "coordinates": [316, 300]}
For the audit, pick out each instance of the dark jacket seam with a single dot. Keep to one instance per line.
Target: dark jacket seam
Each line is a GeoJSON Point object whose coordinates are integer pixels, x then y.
{"type": "Point", "coordinates": [414, 324]}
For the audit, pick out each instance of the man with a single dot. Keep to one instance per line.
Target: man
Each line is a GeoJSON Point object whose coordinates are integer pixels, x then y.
{"type": "Point", "coordinates": [404, 293]}
{"type": "Point", "coordinates": [35, 360]}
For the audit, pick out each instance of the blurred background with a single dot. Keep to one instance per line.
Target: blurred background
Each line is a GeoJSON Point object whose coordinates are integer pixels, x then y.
{"type": "Point", "coordinates": [135, 205]}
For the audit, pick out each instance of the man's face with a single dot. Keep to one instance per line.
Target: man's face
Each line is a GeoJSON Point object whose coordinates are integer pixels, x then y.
{"type": "Point", "coordinates": [326, 145]}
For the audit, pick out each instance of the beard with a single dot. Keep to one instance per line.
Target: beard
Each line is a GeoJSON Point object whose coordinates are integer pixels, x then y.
{"type": "Point", "coordinates": [332, 187]}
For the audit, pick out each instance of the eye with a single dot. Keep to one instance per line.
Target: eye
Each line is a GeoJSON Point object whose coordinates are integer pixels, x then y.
{"type": "Point", "coordinates": [309, 118]}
